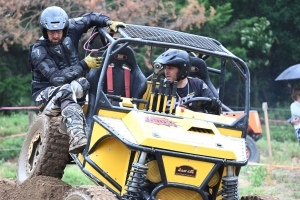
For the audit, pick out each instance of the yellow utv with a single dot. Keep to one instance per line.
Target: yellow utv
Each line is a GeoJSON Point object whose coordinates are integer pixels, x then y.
{"type": "Point", "coordinates": [136, 151]}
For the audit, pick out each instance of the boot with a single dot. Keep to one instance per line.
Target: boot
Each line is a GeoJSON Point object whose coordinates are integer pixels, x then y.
{"type": "Point", "coordinates": [74, 121]}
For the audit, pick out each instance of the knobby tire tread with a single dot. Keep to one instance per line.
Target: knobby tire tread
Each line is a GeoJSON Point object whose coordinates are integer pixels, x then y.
{"type": "Point", "coordinates": [53, 151]}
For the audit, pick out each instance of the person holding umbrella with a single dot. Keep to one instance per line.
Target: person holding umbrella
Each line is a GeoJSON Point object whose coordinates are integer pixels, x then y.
{"type": "Point", "coordinates": [295, 111]}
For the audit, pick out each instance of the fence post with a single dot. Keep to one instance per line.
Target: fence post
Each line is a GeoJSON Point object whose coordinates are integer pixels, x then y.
{"type": "Point", "coordinates": [265, 109]}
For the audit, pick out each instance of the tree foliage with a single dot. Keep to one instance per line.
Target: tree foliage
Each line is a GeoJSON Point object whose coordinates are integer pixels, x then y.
{"type": "Point", "coordinates": [19, 19]}
{"type": "Point", "coordinates": [19, 29]}
{"type": "Point", "coordinates": [263, 33]}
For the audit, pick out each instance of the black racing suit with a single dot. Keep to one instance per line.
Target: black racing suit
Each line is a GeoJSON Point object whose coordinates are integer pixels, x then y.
{"type": "Point", "coordinates": [55, 66]}
{"type": "Point", "coordinates": [194, 88]}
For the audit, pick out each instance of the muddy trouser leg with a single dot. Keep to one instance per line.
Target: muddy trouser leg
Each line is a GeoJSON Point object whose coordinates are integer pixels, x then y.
{"type": "Point", "coordinates": [74, 123]}
{"type": "Point", "coordinates": [74, 120]}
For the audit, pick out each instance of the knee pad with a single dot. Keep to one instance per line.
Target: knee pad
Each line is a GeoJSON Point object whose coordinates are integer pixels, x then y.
{"type": "Point", "coordinates": [80, 86]}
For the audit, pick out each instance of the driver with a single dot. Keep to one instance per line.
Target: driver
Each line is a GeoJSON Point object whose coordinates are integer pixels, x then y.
{"type": "Point", "coordinates": [58, 82]}
{"type": "Point", "coordinates": [176, 65]}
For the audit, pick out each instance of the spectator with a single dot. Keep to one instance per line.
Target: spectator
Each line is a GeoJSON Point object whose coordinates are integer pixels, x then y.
{"type": "Point", "coordinates": [295, 111]}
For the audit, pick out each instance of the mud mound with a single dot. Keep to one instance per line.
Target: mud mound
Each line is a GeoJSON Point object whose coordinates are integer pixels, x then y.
{"type": "Point", "coordinates": [37, 188]}
{"type": "Point", "coordinates": [49, 188]}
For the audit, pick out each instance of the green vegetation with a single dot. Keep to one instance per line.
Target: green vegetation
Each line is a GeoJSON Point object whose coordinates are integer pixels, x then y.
{"type": "Point", "coordinates": [74, 176]}
{"type": "Point", "coordinates": [264, 34]}
{"type": "Point", "coordinates": [13, 124]}
{"type": "Point", "coordinates": [10, 148]}
{"type": "Point", "coordinates": [285, 152]}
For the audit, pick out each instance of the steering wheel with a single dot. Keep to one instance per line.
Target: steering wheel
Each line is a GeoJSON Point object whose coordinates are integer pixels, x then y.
{"type": "Point", "coordinates": [197, 99]}
{"type": "Point", "coordinates": [201, 100]}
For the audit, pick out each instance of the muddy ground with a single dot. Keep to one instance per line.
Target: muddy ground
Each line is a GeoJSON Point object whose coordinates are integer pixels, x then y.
{"type": "Point", "coordinates": [48, 188]}
{"type": "Point", "coordinates": [45, 188]}
{"type": "Point", "coordinates": [37, 188]}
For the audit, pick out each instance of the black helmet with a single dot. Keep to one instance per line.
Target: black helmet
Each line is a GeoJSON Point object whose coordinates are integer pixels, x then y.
{"type": "Point", "coordinates": [54, 18]}
{"type": "Point", "coordinates": [178, 58]}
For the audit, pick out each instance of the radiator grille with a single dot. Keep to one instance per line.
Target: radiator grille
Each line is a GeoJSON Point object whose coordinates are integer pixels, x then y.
{"type": "Point", "coordinates": [171, 36]}
{"type": "Point", "coordinates": [201, 130]}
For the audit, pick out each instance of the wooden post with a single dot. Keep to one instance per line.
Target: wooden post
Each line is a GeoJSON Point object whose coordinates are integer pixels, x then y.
{"type": "Point", "coordinates": [265, 109]}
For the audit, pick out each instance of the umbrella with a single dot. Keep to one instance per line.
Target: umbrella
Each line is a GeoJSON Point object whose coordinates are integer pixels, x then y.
{"type": "Point", "coordinates": [291, 73]}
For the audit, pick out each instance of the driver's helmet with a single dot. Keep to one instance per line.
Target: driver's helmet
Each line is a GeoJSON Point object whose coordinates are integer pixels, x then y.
{"type": "Point", "coordinates": [54, 18]}
{"type": "Point", "coordinates": [177, 58]}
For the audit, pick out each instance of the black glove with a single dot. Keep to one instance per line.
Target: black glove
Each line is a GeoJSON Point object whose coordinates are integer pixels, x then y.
{"type": "Point", "coordinates": [216, 105]}
{"type": "Point", "coordinates": [66, 75]}
{"type": "Point", "coordinates": [72, 72]}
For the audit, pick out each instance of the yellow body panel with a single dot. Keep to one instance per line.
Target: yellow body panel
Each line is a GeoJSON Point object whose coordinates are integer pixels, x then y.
{"type": "Point", "coordinates": [146, 96]}
{"type": "Point", "coordinates": [91, 170]}
{"type": "Point", "coordinates": [113, 161]}
{"type": "Point", "coordinates": [172, 134]}
{"type": "Point", "coordinates": [80, 157]}
{"type": "Point", "coordinates": [112, 114]}
{"type": "Point", "coordinates": [199, 170]}
{"type": "Point", "coordinates": [230, 132]}
{"type": "Point", "coordinates": [183, 112]}
{"type": "Point", "coordinates": [99, 131]}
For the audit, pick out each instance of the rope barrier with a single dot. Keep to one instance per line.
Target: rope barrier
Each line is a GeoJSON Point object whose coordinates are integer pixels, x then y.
{"type": "Point", "coordinates": [272, 166]}
{"type": "Point", "coordinates": [10, 149]}
{"type": "Point", "coordinates": [18, 108]}
{"type": "Point", "coordinates": [12, 136]}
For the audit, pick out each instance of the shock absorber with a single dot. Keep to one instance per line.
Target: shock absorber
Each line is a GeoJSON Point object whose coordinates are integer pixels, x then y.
{"type": "Point", "coordinates": [230, 185]}
{"type": "Point", "coordinates": [136, 178]}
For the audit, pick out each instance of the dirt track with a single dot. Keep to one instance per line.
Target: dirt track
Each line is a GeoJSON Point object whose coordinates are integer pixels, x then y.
{"type": "Point", "coordinates": [48, 188]}
{"type": "Point", "coordinates": [37, 188]}
{"type": "Point", "coordinates": [45, 188]}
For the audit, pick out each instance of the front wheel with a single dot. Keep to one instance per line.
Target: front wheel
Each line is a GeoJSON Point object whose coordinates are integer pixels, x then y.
{"type": "Point", "coordinates": [252, 150]}
{"type": "Point", "coordinates": [45, 151]}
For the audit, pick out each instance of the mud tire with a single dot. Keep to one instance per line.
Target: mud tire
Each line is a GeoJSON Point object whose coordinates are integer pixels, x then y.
{"type": "Point", "coordinates": [252, 150]}
{"type": "Point", "coordinates": [45, 151]}
{"type": "Point", "coordinates": [89, 193]}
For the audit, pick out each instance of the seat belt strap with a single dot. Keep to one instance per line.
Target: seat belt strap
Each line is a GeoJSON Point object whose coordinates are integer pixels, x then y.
{"type": "Point", "coordinates": [127, 79]}
{"type": "Point", "coordinates": [109, 76]}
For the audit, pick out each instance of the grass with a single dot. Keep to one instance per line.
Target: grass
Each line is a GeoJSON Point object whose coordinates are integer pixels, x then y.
{"type": "Point", "coordinates": [284, 149]}
{"type": "Point", "coordinates": [74, 176]}
{"type": "Point", "coordinates": [14, 124]}
{"type": "Point", "coordinates": [10, 150]}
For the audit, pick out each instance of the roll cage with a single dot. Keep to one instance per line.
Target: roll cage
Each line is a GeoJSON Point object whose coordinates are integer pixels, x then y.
{"type": "Point", "coordinates": [202, 47]}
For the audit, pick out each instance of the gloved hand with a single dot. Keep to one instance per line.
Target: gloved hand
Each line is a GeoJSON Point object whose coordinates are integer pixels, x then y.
{"type": "Point", "coordinates": [216, 105]}
{"type": "Point", "coordinates": [93, 62]}
{"type": "Point", "coordinates": [113, 25]}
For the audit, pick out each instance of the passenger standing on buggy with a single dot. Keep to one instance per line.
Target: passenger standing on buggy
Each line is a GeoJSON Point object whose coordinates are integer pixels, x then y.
{"type": "Point", "coordinates": [58, 84]}
{"type": "Point", "coordinates": [177, 65]}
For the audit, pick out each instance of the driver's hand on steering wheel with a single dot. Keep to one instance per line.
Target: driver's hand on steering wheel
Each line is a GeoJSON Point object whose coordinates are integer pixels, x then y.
{"type": "Point", "coordinates": [215, 103]}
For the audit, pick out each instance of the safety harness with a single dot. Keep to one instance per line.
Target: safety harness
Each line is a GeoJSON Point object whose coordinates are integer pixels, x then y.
{"type": "Point", "coordinates": [110, 83]}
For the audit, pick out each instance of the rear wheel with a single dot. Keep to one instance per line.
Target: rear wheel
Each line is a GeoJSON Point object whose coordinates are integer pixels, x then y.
{"type": "Point", "coordinates": [45, 151]}
{"type": "Point", "coordinates": [252, 150]}
{"type": "Point", "coordinates": [89, 193]}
